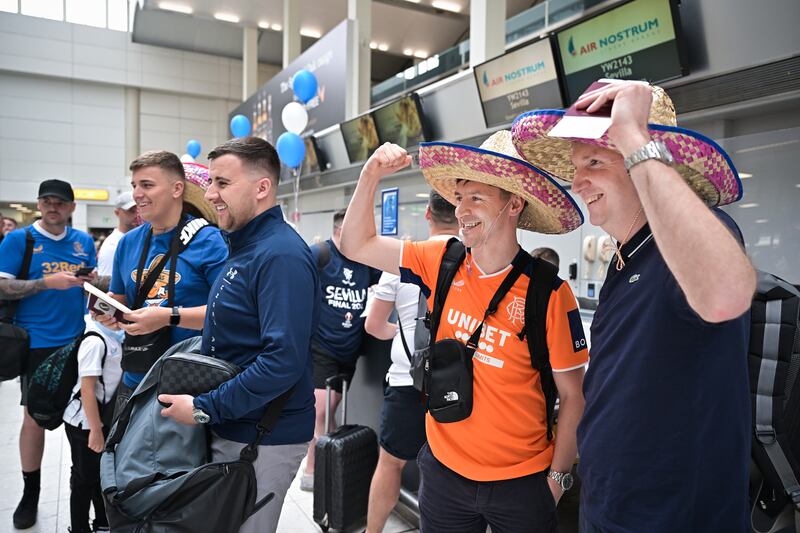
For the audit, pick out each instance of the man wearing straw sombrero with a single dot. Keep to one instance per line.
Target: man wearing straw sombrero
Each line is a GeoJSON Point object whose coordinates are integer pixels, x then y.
{"type": "Point", "coordinates": [664, 441]}
{"type": "Point", "coordinates": [499, 464]}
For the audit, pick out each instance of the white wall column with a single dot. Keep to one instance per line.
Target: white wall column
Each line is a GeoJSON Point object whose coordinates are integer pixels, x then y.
{"type": "Point", "coordinates": [360, 56]}
{"type": "Point", "coordinates": [80, 217]}
{"type": "Point", "coordinates": [487, 30]}
{"type": "Point", "coordinates": [291, 31]}
{"type": "Point", "coordinates": [249, 62]}
{"type": "Point", "coordinates": [132, 129]}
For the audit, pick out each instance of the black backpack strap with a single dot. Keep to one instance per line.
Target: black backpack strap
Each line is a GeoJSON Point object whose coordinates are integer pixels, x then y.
{"type": "Point", "coordinates": [775, 316]}
{"type": "Point", "coordinates": [454, 255]}
{"type": "Point", "coordinates": [265, 426]}
{"type": "Point", "coordinates": [540, 286]}
{"type": "Point", "coordinates": [518, 265]}
{"type": "Point", "coordinates": [24, 272]}
{"type": "Point", "coordinates": [323, 255]}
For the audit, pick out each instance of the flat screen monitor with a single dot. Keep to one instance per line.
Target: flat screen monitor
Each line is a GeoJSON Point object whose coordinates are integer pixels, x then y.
{"type": "Point", "coordinates": [360, 137]}
{"type": "Point", "coordinates": [401, 122]}
{"type": "Point", "coordinates": [315, 159]}
{"type": "Point", "coordinates": [520, 80]}
{"type": "Point", "coordinates": [638, 40]}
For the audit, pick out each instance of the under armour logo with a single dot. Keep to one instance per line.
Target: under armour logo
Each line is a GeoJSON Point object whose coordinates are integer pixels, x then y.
{"type": "Point", "coordinates": [231, 273]}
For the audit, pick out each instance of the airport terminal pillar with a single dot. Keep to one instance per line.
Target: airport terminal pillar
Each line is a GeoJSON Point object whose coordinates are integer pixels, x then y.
{"type": "Point", "coordinates": [249, 62]}
{"type": "Point", "coordinates": [80, 217]}
{"type": "Point", "coordinates": [487, 30]}
{"type": "Point", "coordinates": [360, 56]}
{"type": "Point", "coordinates": [132, 130]}
{"type": "Point", "coordinates": [291, 31]}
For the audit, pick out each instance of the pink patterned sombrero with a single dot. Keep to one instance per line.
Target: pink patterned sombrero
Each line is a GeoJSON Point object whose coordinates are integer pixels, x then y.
{"type": "Point", "coordinates": [549, 209]}
{"type": "Point", "coordinates": [197, 181]}
{"type": "Point", "coordinates": [704, 165]}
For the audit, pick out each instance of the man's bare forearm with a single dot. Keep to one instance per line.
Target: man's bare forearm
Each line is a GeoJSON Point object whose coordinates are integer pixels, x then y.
{"type": "Point", "coordinates": [102, 283]}
{"type": "Point", "coordinates": [17, 289]}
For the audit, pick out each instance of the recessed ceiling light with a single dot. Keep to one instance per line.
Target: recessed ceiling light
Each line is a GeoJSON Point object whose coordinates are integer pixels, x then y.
{"type": "Point", "coordinates": [762, 221]}
{"type": "Point", "coordinates": [373, 45]}
{"type": "Point", "coordinates": [227, 17]}
{"type": "Point", "coordinates": [413, 1]}
{"type": "Point", "coordinates": [422, 195]}
{"type": "Point", "coordinates": [176, 7]}
{"type": "Point", "coordinates": [420, 54]}
{"type": "Point", "coordinates": [745, 175]}
{"type": "Point", "coordinates": [748, 205]}
{"type": "Point", "coordinates": [15, 205]}
{"type": "Point", "coordinates": [383, 47]}
{"type": "Point", "coordinates": [408, 52]}
{"type": "Point", "coordinates": [277, 27]}
{"type": "Point", "coordinates": [446, 6]}
{"type": "Point", "coordinates": [263, 25]}
{"type": "Point", "coordinates": [308, 32]}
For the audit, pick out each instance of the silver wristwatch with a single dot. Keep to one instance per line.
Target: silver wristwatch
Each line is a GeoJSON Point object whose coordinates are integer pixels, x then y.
{"type": "Point", "coordinates": [652, 150]}
{"type": "Point", "coordinates": [564, 479]}
{"type": "Point", "coordinates": [200, 416]}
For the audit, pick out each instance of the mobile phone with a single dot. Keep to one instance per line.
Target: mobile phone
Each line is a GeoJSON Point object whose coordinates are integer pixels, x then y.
{"type": "Point", "coordinates": [84, 271]}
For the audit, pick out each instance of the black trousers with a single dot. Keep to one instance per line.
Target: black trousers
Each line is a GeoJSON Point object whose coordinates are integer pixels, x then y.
{"type": "Point", "coordinates": [84, 482]}
{"type": "Point", "coordinates": [451, 503]}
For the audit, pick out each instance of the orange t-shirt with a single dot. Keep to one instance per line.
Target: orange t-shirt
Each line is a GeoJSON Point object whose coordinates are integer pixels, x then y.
{"type": "Point", "coordinates": [506, 435]}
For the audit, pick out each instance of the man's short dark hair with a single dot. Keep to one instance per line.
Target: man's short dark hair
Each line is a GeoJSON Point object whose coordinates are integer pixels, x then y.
{"type": "Point", "coordinates": [442, 212]}
{"type": "Point", "coordinates": [338, 218]}
{"type": "Point", "coordinates": [162, 159]}
{"type": "Point", "coordinates": [548, 254]}
{"type": "Point", "coordinates": [254, 153]}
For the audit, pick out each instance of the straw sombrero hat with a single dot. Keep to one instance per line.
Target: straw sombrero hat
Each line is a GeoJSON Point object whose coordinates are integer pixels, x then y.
{"type": "Point", "coordinates": [703, 163]}
{"type": "Point", "coordinates": [197, 181]}
{"type": "Point", "coordinates": [549, 209]}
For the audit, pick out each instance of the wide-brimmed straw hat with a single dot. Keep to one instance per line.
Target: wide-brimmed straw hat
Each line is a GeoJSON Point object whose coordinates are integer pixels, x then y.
{"type": "Point", "coordinates": [549, 209]}
{"type": "Point", "coordinates": [197, 181]}
{"type": "Point", "coordinates": [704, 165]}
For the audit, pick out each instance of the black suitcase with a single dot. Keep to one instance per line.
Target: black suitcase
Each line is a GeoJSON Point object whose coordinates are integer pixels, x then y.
{"type": "Point", "coordinates": [344, 464]}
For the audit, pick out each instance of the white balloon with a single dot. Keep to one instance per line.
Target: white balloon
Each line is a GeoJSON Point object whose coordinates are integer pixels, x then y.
{"type": "Point", "coordinates": [186, 158]}
{"type": "Point", "coordinates": [294, 117]}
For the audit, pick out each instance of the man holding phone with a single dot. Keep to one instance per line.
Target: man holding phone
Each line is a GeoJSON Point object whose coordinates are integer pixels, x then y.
{"type": "Point", "coordinates": [51, 308]}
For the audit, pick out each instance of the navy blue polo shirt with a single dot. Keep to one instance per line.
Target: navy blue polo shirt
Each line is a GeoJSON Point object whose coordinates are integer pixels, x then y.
{"type": "Point", "coordinates": [344, 286]}
{"type": "Point", "coordinates": [664, 442]}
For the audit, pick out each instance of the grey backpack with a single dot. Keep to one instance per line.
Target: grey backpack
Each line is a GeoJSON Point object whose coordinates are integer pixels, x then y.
{"type": "Point", "coordinates": [156, 476]}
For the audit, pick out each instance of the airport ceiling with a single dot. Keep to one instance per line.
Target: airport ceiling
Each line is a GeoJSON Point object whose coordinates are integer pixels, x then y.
{"type": "Point", "coordinates": [398, 26]}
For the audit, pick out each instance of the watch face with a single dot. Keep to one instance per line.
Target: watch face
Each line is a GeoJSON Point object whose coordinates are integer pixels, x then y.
{"type": "Point", "coordinates": [567, 481]}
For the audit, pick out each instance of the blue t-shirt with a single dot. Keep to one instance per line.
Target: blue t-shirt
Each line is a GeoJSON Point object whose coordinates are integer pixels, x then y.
{"type": "Point", "coordinates": [53, 317]}
{"type": "Point", "coordinates": [197, 269]}
{"type": "Point", "coordinates": [344, 286]}
{"type": "Point", "coordinates": [664, 441]}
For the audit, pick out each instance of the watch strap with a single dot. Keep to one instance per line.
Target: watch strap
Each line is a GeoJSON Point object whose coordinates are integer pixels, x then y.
{"type": "Point", "coordinates": [652, 150]}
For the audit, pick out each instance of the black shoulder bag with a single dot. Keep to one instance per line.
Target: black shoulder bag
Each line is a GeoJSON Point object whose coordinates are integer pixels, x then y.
{"type": "Point", "coordinates": [139, 352]}
{"type": "Point", "coordinates": [449, 386]}
{"type": "Point", "coordinates": [14, 339]}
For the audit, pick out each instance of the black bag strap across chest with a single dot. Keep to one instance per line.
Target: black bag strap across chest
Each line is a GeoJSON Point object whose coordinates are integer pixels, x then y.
{"type": "Point", "coordinates": [185, 233]}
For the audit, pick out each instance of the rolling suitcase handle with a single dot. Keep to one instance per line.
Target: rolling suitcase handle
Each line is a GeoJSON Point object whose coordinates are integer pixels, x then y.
{"type": "Point", "coordinates": [328, 385]}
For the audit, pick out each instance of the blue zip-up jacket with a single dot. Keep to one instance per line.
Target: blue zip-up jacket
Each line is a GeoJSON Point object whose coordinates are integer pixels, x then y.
{"type": "Point", "coordinates": [262, 311]}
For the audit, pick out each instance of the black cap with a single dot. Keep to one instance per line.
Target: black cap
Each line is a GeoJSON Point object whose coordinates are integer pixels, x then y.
{"type": "Point", "coordinates": [57, 188]}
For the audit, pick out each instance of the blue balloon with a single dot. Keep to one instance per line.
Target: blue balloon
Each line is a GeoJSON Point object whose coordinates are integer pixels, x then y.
{"type": "Point", "coordinates": [291, 149]}
{"type": "Point", "coordinates": [240, 126]}
{"type": "Point", "coordinates": [193, 148]}
{"type": "Point", "coordinates": [304, 85]}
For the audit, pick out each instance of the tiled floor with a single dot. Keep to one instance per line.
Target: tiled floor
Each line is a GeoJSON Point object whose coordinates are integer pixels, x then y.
{"type": "Point", "coordinates": [54, 501]}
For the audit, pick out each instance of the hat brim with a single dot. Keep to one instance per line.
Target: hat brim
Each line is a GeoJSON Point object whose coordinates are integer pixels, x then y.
{"type": "Point", "coordinates": [126, 206]}
{"type": "Point", "coordinates": [550, 209]}
{"type": "Point", "coordinates": [195, 196]}
{"type": "Point", "coordinates": [56, 195]}
{"type": "Point", "coordinates": [704, 165]}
